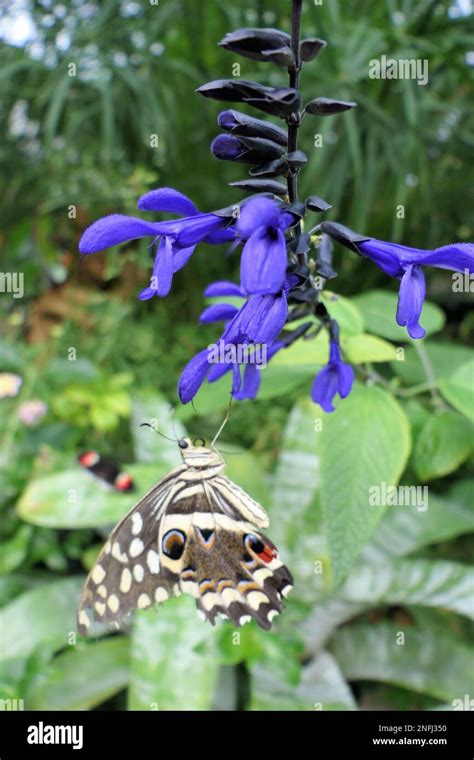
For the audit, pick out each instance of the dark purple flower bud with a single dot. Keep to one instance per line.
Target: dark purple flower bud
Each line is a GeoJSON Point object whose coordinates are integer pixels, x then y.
{"type": "Point", "coordinates": [257, 43]}
{"type": "Point", "coordinates": [261, 186]}
{"type": "Point", "coordinates": [250, 150]}
{"type": "Point", "coordinates": [310, 48]}
{"type": "Point", "coordinates": [241, 124]}
{"type": "Point", "coordinates": [327, 106]}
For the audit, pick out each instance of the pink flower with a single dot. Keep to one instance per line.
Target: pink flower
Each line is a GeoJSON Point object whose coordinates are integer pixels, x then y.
{"type": "Point", "coordinates": [30, 412]}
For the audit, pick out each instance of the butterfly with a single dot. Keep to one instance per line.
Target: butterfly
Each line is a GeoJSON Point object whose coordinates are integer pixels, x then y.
{"type": "Point", "coordinates": [107, 470]}
{"type": "Point", "coordinates": [195, 532]}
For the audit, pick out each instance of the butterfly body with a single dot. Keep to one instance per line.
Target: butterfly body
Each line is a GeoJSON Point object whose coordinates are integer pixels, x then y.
{"type": "Point", "coordinates": [195, 532]}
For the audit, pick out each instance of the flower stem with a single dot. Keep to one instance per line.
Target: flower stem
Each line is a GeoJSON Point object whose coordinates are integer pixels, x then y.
{"type": "Point", "coordinates": [294, 72]}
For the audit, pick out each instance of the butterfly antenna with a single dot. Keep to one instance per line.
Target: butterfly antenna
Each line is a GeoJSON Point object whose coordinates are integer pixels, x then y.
{"type": "Point", "coordinates": [224, 422]}
{"type": "Point", "coordinates": [147, 424]}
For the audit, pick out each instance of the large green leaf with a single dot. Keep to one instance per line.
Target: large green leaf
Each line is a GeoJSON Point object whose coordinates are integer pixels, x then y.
{"type": "Point", "coordinates": [174, 664]}
{"type": "Point", "coordinates": [322, 687]}
{"type": "Point", "coordinates": [444, 442]}
{"type": "Point", "coordinates": [426, 662]}
{"type": "Point", "coordinates": [458, 389]}
{"type": "Point", "coordinates": [73, 499]}
{"type": "Point", "coordinates": [295, 515]}
{"type": "Point", "coordinates": [366, 442]}
{"type": "Point", "coordinates": [379, 307]}
{"type": "Point", "coordinates": [83, 677]}
{"type": "Point", "coordinates": [296, 477]}
{"type": "Point", "coordinates": [430, 583]}
{"type": "Point", "coordinates": [403, 530]}
{"type": "Point", "coordinates": [44, 616]}
{"type": "Point", "coordinates": [408, 582]}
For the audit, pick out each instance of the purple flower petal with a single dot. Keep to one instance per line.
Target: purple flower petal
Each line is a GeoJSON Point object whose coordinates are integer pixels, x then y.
{"type": "Point", "coordinates": [263, 262]}
{"type": "Point", "coordinates": [385, 255]}
{"type": "Point", "coordinates": [257, 212]}
{"type": "Point", "coordinates": [162, 276]}
{"type": "Point", "coordinates": [167, 199]}
{"type": "Point", "coordinates": [250, 384]}
{"type": "Point", "coordinates": [260, 320]}
{"type": "Point", "coordinates": [218, 370]}
{"type": "Point", "coordinates": [325, 387]}
{"type": "Point", "coordinates": [113, 230]}
{"type": "Point", "coordinates": [181, 256]}
{"type": "Point", "coordinates": [410, 301]}
{"type": "Point", "coordinates": [218, 312]}
{"type": "Point", "coordinates": [223, 288]}
{"type": "Point", "coordinates": [193, 230]}
{"type": "Point", "coordinates": [147, 293]}
{"type": "Point", "coordinates": [227, 147]}
{"type": "Point", "coordinates": [236, 379]}
{"type": "Point", "coordinates": [457, 256]}
{"type": "Point", "coordinates": [346, 379]}
{"type": "Point", "coordinates": [220, 236]}
{"type": "Point", "coordinates": [227, 120]}
{"type": "Point", "coordinates": [193, 376]}
{"type": "Point", "coordinates": [394, 258]}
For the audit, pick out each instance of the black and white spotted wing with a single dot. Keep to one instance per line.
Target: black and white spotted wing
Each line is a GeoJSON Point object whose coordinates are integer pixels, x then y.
{"type": "Point", "coordinates": [127, 574]}
{"type": "Point", "coordinates": [196, 532]}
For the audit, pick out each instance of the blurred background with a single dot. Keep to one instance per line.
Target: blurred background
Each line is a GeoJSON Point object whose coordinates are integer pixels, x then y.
{"type": "Point", "coordinates": [379, 617]}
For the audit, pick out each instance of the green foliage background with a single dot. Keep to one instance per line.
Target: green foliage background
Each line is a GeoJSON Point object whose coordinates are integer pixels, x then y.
{"type": "Point", "coordinates": [380, 614]}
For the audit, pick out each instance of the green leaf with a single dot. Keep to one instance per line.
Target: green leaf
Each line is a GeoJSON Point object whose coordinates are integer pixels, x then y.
{"type": "Point", "coordinates": [322, 687]}
{"type": "Point", "coordinates": [379, 307]}
{"type": "Point", "coordinates": [72, 499]}
{"type": "Point", "coordinates": [366, 442]}
{"type": "Point", "coordinates": [458, 389]}
{"type": "Point", "coordinates": [345, 311]}
{"type": "Point", "coordinates": [14, 551]}
{"type": "Point", "coordinates": [174, 663]}
{"type": "Point", "coordinates": [426, 662]}
{"type": "Point", "coordinates": [83, 677]}
{"type": "Point", "coordinates": [445, 359]}
{"type": "Point", "coordinates": [403, 530]}
{"type": "Point", "coordinates": [368, 348]}
{"type": "Point", "coordinates": [149, 447]}
{"type": "Point", "coordinates": [430, 583]}
{"type": "Point", "coordinates": [44, 616]}
{"type": "Point", "coordinates": [296, 478]}
{"type": "Point", "coordinates": [309, 353]}
{"type": "Point", "coordinates": [444, 442]}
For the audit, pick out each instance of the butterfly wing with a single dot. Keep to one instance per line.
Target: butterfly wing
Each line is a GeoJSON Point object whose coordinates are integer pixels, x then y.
{"type": "Point", "coordinates": [193, 536]}
{"type": "Point", "coordinates": [128, 573]}
{"type": "Point", "coordinates": [225, 563]}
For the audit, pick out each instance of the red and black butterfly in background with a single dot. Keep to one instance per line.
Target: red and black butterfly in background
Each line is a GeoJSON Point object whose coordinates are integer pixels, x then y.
{"type": "Point", "coordinates": [107, 470]}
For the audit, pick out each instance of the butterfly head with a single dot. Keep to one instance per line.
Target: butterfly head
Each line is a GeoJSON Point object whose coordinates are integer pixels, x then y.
{"type": "Point", "coordinates": [196, 454]}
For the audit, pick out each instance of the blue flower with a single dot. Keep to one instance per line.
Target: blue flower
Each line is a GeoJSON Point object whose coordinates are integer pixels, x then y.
{"type": "Point", "coordinates": [200, 366]}
{"type": "Point", "coordinates": [406, 264]}
{"type": "Point", "coordinates": [176, 239]}
{"type": "Point", "coordinates": [257, 323]}
{"type": "Point", "coordinates": [261, 223]}
{"type": "Point", "coordinates": [335, 377]}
